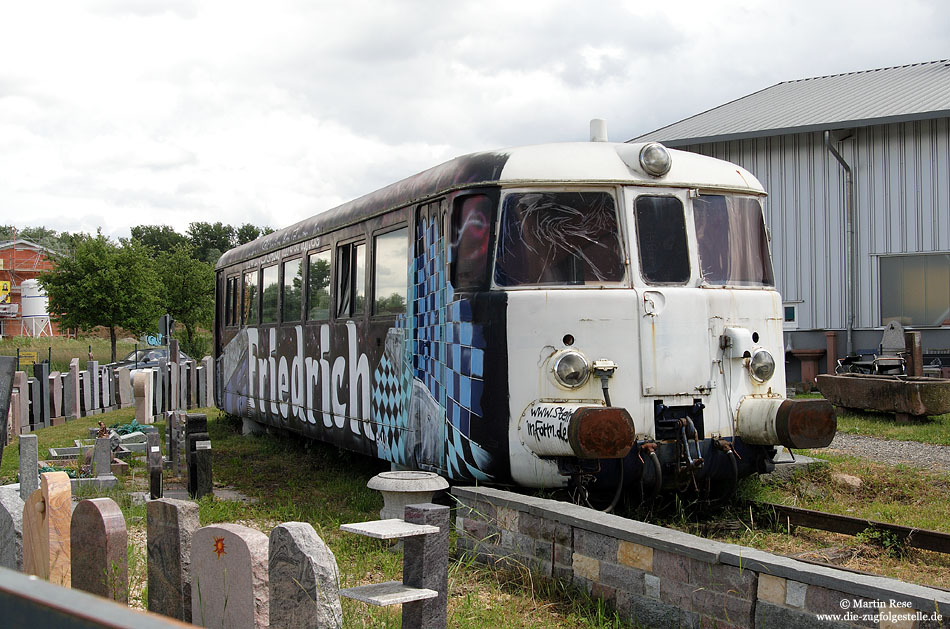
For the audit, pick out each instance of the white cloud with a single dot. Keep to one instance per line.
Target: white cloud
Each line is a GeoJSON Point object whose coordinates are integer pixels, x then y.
{"type": "Point", "coordinates": [115, 113]}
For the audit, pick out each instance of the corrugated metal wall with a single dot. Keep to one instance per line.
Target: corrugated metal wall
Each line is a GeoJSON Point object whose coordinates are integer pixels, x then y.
{"type": "Point", "coordinates": [902, 194]}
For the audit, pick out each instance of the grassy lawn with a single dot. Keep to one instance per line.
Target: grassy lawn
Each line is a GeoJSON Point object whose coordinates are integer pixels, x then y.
{"type": "Point", "coordinates": [291, 479]}
{"type": "Point", "coordinates": [62, 350]}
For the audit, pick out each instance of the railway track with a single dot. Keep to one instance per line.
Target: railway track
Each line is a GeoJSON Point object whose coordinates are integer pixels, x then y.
{"type": "Point", "coordinates": [795, 516]}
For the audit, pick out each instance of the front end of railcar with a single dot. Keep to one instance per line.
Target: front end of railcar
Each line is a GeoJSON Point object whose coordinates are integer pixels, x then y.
{"type": "Point", "coordinates": [645, 339]}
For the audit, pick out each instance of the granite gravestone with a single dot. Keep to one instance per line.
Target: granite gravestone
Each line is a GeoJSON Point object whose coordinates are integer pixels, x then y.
{"type": "Point", "coordinates": [41, 375]}
{"type": "Point", "coordinates": [71, 405]}
{"type": "Point", "coordinates": [21, 384]}
{"type": "Point", "coordinates": [198, 448]}
{"type": "Point", "coordinates": [55, 396]}
{"type": "Point", "coordinates": [92, 377]}
{"type": "Point", "coordinates": [303, 578]}
{"type": "Point", "coordinates": [102, 457]}
{"type": "Point", "coordinates": [425, 565]}
{"type": "Point", "coordinates": [7, 373]}
{"type": "Point", "coordinates": [36, 405]}
{"type": "Point", "coordinates": [29, 465]}
{"type": "Point", "coordinates": [99, 544]}
{"type": "Point", "coordinates": [155, 465]}
{"type": "Point", "coordinates": [46, 515]}
{"type": "Point", "coordinates": [171, 526]}
{"type": "Point", "coordinates": [11, 529]}
{"type": "Point", "coordinates": [208, 363]}
{"type": "Point", "coordinates": [229, 577]}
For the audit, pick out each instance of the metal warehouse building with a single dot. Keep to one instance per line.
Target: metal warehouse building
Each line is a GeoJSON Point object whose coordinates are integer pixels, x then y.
{"type": "Point", "coordinates": [888, 132]}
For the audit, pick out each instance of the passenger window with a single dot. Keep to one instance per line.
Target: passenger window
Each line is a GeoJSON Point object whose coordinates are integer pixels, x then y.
{"type": "Point", "coordinates": [351, 279]}
{"type": "Point", "coordinates": [229, 309]}
{"type": "Point", "coordinates": [270, 294]}
{"type": "Point", "coordinates": [250, 298]}
{"type": "Point", "coordinates": [318, 286]}
{"type": "Point", "coordinates": [559, 238]}
{"type": "Point", "coordinates": [733, 246]}
{"type": "Point", "coordinates": [471, 229]}
{"type": "Point", "coordinates": [293, 290]}
{"type": "Point", "coordinates": [391, 272]}
{"type": "Point", "coordinates": [661, 235]}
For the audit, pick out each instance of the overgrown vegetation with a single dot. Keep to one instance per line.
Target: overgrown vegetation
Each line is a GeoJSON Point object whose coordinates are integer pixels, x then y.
{"type": "Point", "coordinates": [60, 350]}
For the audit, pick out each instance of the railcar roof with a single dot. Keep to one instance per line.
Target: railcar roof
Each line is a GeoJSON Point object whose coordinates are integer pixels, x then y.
{"type": "Point", "coordinates": [570, 162]}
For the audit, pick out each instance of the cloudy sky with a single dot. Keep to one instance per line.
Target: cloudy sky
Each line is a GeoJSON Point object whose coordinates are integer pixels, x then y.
{"type": "Point", "coordinates": [115, 113]}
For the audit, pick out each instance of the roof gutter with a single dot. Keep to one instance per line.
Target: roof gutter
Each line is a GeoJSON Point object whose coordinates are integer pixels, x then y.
{"type": "Point", "coordinates": [849, 239]}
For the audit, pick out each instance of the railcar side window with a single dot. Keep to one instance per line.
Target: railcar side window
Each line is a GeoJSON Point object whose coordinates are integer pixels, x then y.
{"type": "Point", "coordinates": [471, 231]}
{"type": "Point", "coordinates": [351, 279]}
{"type": "Point", "coordinates": [293, 291]}
{"type": "Point", "coordinates": [733, 246]}
{"type": "Point", "coordinates": [318, 286]}
{"type": "Point", "coordinates": [250, 298]}
{"type": "Point", "coordinates": [230, 301]}
{"type": "Point", "coordinates": [271, 289]}
{"type": "Point", "coordinates": [391, 272]}
{"type": "Point", "coordinates": [661, 236]}
{"type": "Point", "coordinates": [551, 238]}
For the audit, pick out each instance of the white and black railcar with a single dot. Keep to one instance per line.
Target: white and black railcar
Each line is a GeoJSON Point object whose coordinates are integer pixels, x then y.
{"type": "Point", "coordinates": [538, 315]}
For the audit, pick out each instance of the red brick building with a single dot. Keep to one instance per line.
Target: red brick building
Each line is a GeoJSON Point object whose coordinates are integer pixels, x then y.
{"type": "Point", "coordinates": [21, 260]}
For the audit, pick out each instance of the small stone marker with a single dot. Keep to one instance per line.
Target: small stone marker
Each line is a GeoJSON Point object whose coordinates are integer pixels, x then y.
{"type": "Point", "coordinates": [171, 526]}
{"type": "Point", "coordinates": [71, 405]}
{"type": "Point", "coordinates": [11, 529]}
{"type": "Point", "coordinates": [229, 577]}
{"type": "Point", "coordinates": [99, 544]}
{"type": "Point", "coordinates": [154, 458]}
{"type": "Point", "coordinates": [46, 515]}
{"type": "Point", "coordinates": [29, 466]}
{"type": "Point", "coordinates": [425, 565]}
{"type": "Point", "coordinates": [102, 457]}
{"type": "Point", "coordinates": [304, 581]}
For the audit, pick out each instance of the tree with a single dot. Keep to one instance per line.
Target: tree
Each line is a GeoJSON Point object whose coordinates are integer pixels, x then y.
{"type": "Point", "coordinates": [104, 283]}
{"type": "Point", "coordinates": [7, 233]}
{"type": "Point", "coordinates": [158, 237]}
{"type": "Point", "coordinates": [187, 293]}
{"type": "Point", "coordinates": [246, 233]}
{"type": "Point", "coordinates": [210, 240]}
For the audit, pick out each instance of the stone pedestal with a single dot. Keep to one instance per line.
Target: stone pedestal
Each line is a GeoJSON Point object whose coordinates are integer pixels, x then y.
{"type": "Point", "coordinates": [405, 488]}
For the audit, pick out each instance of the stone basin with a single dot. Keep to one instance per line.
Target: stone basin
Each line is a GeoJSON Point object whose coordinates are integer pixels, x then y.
{"type": "Point", "coordinates": [401, 488]}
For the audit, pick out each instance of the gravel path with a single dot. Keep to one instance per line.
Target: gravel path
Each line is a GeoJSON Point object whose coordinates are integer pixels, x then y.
{"type": "Point", "coordinates": [910, 452]}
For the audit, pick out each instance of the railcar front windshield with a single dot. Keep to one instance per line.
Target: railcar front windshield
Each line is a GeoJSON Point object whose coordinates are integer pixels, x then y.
{"type": "Point", "coordinates": [733, 246]}
{"type": "Point", "coordinates": [559, 238]}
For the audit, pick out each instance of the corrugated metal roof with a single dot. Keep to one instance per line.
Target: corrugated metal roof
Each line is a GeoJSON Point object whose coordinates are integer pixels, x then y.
{"type": "Point", "coordinates": [912, 92]}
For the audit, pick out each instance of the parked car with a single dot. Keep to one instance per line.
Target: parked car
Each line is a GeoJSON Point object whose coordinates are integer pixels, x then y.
{"type": "Point", "coordinates": [146, 357]}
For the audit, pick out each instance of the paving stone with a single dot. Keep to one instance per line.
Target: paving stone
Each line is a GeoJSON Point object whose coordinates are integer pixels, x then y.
{"type": "Point", "coordinates": [46, 515]}
{"type": "Point", "coordinates": [29, 466]}
{"type": "Point", "coordinates": [99, 545]}
{"type": "Point", "coordinates": [171, 526]}
{"type": "Point", "coordinates": [303, 579]}
{"type": "Point", "coordinates": [229, 577]}
{"type": "Point", "coordinates": [11, 529]}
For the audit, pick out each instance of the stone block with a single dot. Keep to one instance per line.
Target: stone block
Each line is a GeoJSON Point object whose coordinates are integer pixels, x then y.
{"type": "Point", "coordinates": [124, 376]}
{"type": "Point", "coordinates": [192, 384]}
{"type": "Point", "coordinates": [11, 529]}
{"type": "Point", "coordinates": [36, 404]}
{"type": "Point", "coordinates": [303, 578]}
{"type": "Point", "coordinates": [651, 585]}
{"type": "Point", "coordinates": [46, 515]}
{"type": "Point", "coordinates": [621, 577]}
{"type": "Point", "coordinates": [671, 566]}
{"type": "Point", "coordinates": [650, 612]}
{"type": "Point", "coordinates": [174, 388]}
{"type": "Point", "coordinates": [13, 417]}
{"type": "Point", "coordinates": [597, 545]}
{"type": "Point", "coordinates": [722, 607]}
{"type": "Point", "coordinates": [635, 555]}
{"type": "Point", "coordinates": [171, 525]}
{"type": "Point", "coordinates": [56, 394]}
{"type": "Point", "coordinates": [229, 586]}
{"type": "Point", "coordinates": [208, 363]}
{"type": "Point", "coordinates": [41, 375]}
{"type": "Point", "coordinates": [92, 371]}
{"type": "Point", "coordinates": [142, 390]}
{"type": "Point", "coordinates": [21, 384]}
{"type": "Point", "coordinates": [795, 593]}
{"type": "Point", "coordinates": [29, 466]}
{"type": "Point", "coordinates": [155, 465]}
{"type": "Point", "coordinates": [157, 398]}
{"type": "Point", "coordinates": [586, 567]}
{"type": "Point", "coordinates": [724, 579]}
{"type": "Point", "coordinates": [507, 518]}
{"type": "Point", "coordinates": [425, 565]}
{"type": "Point", "coordinates": [201, 391]}
{"type": "Point", "coordinates": [99, 545]}
{"type": "Point", "coordinates": [119, 468]}
{"type": "Point", "coordinates": [72, 408]}
{"type": "Point", "coordinates": [771, 589]}
{"type": "Point", "coordinates": [820, 600]}
{"type": "Point", "coordinates": [771, 615]}
{"type": "Point", "coordinates": [102, 457]}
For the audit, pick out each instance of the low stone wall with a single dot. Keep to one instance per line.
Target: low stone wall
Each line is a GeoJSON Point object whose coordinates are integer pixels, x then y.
{"type": "Point", "coordinates": [658, 577]}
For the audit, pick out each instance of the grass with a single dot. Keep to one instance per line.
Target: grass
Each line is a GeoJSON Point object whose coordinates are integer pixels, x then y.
{"type": "Point", "coordinates": [61, 350]}
{"type": "Point", "coordinates": [291, 479]}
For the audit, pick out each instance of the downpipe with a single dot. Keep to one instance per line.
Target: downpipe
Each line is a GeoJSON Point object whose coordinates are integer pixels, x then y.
{"type": "Point", "coordinates": [849, 239]}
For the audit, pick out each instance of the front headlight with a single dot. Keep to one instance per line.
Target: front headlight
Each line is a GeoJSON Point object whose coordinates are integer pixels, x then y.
{"type": "Point", "coordinates": [571, 369]}
{"type": "Point", "coordinates": [761, 365]}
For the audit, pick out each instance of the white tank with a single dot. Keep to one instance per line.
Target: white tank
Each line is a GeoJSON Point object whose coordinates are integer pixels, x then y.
{"type": "Point", "coordinates": [35, 308]}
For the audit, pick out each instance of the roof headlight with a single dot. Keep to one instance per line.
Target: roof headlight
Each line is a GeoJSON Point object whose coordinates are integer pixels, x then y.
{"type": "Point", "coordinates": [571, 369]}
{"type": "Point", "coordinates": [761, 365]}
{"type": "Point", "coordinates": [655, 159]}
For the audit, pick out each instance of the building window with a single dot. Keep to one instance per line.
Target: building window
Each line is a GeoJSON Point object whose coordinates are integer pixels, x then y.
{"type": "Point", "coordinates": [791, 316]}
{"type": "Point", "coordinates": [391, 272]}
{"type": "Point", "coordinates": [271, 290]}
{"type": "Point", "coordinates": [318, 286]}
{"type": "Point", "coordinates": [250, 298]}
{"type": "Point", "coordinates": [915, 289]}
{"type": "Point", "coordinates": [351, 279]}
{"type": "Point", "coordinates": [292, 291]}
{"type": "Point", "coordinates": [661, 239]}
